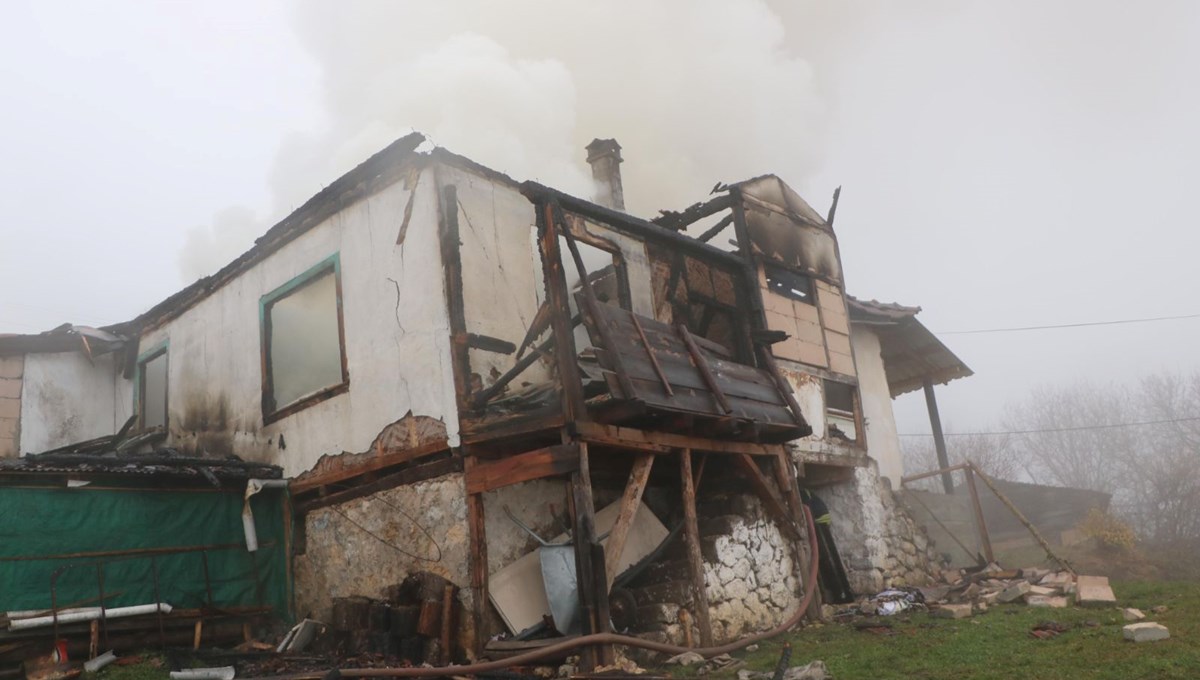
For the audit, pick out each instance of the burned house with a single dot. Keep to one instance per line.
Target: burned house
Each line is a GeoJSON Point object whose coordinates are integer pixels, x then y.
{"type": "Point", "coordinates": [454, 367]}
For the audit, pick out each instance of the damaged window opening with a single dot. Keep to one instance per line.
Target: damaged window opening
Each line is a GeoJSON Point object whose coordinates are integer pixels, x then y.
{"type": "Point", "coordinates": [605, 271]}
{"type": "Point", "coordinates": [789, 284]}
{"type": "Point", "coordinates": [841, 409]}
{"type": "Point", "coordinates": [151, 388]}
{"type": "Point", "coordinates": [304, 354]}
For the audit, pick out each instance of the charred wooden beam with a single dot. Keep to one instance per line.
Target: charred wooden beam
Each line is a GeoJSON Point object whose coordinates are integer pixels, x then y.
{"type": "Point", "coordinates": [451, 252]}
{"type": "Point", "coordinates": [476, 528]}
{"type": "Point", "coordinates": [557, 298]}
{"type": "Point", "coordinates": [679, 220]}
{"type": "Point", "coordinates": [537, 464]}
{"type": "Point", "coordinates": [418, 473]}
{"type": "Point", "coordinates": [583, 518]}
{"type": "Point", "coordinates": [715, 229]}
{"type": "Point", "coordinates": [663, 442]}
{"type": "Point", "coordinates": [705, 370]}
{"type": "Point", "coordinates": [597, 319]}
{"type": "Point", "coordinates": [489, 344]}
{"type": "Point", "coordinates": [662, 377]}
{"type": "Point", "coordinates": [628, 224]}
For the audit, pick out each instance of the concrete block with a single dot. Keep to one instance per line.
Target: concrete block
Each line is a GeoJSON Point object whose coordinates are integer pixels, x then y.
{"type": "Point", "coordinates": [1043, 590]}
{"type": "Point", "coordinates": [1145, 632]}
{"type": "Point", "coordinates": [1014, 592]}
{"type": "Point", "coordinates": [952, 611]}
{"type": "Point", "coordinates": [10, 388]}
{"type": "Point", "coordinates": [12, 367]}
{"type": "Point", "coordinates": [1047, 601]}
{"type": "Point", "coordinates": [1131, 614]}
{"type": "Point", "coordinates": [1094, 590]}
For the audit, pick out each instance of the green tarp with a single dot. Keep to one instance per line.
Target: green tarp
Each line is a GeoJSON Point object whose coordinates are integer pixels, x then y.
{"type": "Point", "coordinates": [38, 525]}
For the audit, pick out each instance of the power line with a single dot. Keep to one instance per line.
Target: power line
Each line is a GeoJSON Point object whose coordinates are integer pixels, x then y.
{"type": "Point", "coordinates": [1056, 429]}
{"type": "Point", "coordinates": [1070, 325]}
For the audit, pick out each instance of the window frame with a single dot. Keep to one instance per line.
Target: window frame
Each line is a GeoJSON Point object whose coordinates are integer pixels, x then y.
{"type": "Point", "coordinates": [773, 271]}
{"type": "Point", "coordinates": [856, 414]}
{"type": "Point", "coordinates": [271, 411]}
{"type": "Point", "coordinates": [139, 383]}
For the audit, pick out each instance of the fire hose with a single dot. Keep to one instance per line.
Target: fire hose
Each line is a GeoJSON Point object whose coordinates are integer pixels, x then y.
{"type": "Point", "coordinates": [586, 640]}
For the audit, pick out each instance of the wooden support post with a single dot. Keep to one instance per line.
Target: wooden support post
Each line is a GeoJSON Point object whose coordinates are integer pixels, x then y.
{"type": "Point", "coordinates": [478, 562]}
{"type": "Point", "coordinates": [584, 521]}
{"type": "Point", "coordinates": [980, 523]}
{"type": "Point", "coordinates": [558, 298]}
{"type": "Point", "coordinates": [451, 252]}
{"type": "Point", "coordinates": [630, 502]}
{"type": "Point", "coordinates": [197, 634]}
{"type": "Point", "coordinates": [786, 480]}
{"type": "Point", "coordinates": [606, 653]}
{"type": "Point", "coordinates": [447, 633]}
{"type": "Point", "coordinates": [691, 531]}
{"type": "Point", "coordinates": [1023, 519]}
{"type": "Point", "coordinates": [939, 441]}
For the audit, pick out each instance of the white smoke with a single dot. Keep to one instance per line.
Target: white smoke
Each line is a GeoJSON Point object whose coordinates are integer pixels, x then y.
{"type": "Point", "coordinates": [696, 92]}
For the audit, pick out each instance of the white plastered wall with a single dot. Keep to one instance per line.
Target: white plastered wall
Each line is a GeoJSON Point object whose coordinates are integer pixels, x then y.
{"type": "Point", "coordinates": [65, 398]}
{"type": "Point", "coordinates": [883, 444]}
{"type": "Point", "coordinates": [396, 335]}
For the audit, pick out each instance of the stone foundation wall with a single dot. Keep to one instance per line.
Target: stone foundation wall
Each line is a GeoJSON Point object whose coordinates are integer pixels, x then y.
{"type": "Point", "coordinates": [749, 573]}
{"type": "Point", "coordinates": [880, 544]}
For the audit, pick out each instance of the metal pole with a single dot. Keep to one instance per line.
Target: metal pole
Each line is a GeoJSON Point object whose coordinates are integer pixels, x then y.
{"type": "Point", "coordinates": [939, 440]}
{"type": "Point", "coordinates": [158, 613]}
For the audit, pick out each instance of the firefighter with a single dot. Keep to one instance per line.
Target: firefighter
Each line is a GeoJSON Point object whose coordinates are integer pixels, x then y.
{"type": "Point", "coordinates": [832, 574]}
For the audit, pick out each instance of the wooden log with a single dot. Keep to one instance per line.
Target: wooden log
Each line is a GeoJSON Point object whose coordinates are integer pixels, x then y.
{"type": "Point", "coordinates": [630, 501]}
{"type": "Point", "coordinates": [691, 530]}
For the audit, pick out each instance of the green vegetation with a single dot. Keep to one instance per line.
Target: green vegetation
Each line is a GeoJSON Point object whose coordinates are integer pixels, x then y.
{"type": "Point", "coordinates": [997, 644]}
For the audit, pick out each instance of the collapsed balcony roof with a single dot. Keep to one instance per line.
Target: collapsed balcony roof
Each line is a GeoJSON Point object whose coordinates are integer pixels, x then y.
{"type": "Point", "coordinates": [912, 354]}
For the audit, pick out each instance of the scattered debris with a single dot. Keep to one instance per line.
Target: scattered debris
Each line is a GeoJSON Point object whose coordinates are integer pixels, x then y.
{"type": "Point", "coordinates": [99, 662]}
{"type": "Point", "coordinates": [815, 670]}
{"type": "Point", "coordinates": [1048, 629]}
{"type": "Point", "coordinates": [893, 601]}
{"type": "Point", "coordinates": [1145, 632]}
{"type": "Point", "coordinates": [218, 673]}
{"type": "Point", "coordinates": [1160, 609]}
{"type": "Point", "coordinates": [686, 659]}
{"type": "Point", "coordinates": [1014, 592]}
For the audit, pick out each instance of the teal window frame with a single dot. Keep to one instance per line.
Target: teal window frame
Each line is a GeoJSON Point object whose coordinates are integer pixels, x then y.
{"type": "Point", "coordinates": [139, 383]}
{"type": "Point", "coordinates": [272, 411]}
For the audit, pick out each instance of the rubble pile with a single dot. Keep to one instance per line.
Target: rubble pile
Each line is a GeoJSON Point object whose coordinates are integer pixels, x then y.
{"type": "Point", "coordinates": [1033, 587]}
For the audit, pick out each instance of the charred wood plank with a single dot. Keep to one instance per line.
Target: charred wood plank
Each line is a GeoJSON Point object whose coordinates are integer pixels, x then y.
{"type": "Point", "coordinates": [662, 442]}
{"type": "Point", "coordinates": [537, 464]}
{"type": "Point", "coordinates": [411, 475]}
{"type": "Point", "coordinates": [387, 458]}
{"type": "Point", "coordinates": [705, 370]}
{"type": "Point", "coordinates": [489, 344]}
{"type": "Point", "coordinates": [650, 353]}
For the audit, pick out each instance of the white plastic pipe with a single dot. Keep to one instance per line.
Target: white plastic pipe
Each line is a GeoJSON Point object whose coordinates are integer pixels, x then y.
{"type": "Point", "coordinates": [99, 662]}
{"type": "Point", "coordinates": [253, 486]}
{"type": "Point", "coordinates": [90, 614]}
{"type": "Point", "coordinates": [218, 673]}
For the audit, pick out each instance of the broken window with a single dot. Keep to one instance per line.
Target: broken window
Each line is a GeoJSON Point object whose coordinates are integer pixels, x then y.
{"type": "Point", "coordinates": [152, 388]}
{"type": "Point", "coordinates": [303, 348]}
{"type": "Point", "coordinates": [789, 284]}
{"type": "Point", "coordinates": [841, 409]}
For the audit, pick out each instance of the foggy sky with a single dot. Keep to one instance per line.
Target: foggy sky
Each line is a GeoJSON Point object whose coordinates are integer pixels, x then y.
{"type": "Point", "coordinates": [1004, 164]}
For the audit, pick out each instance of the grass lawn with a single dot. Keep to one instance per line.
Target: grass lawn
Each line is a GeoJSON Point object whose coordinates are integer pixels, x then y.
{"type": "Point", "coordinates": [997, 643]}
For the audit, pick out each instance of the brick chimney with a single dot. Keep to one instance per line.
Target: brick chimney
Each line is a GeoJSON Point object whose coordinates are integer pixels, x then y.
{"type": "Point", "coordinates": [604, 155]}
